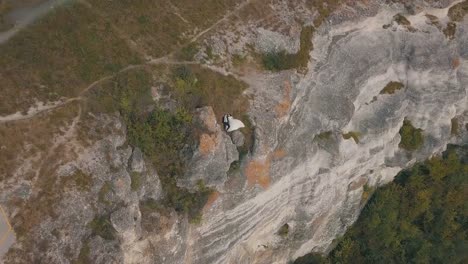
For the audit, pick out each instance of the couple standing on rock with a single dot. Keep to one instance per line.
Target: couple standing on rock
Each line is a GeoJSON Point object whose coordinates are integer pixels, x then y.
{"type": "Point", "coordinates": [231, 124]}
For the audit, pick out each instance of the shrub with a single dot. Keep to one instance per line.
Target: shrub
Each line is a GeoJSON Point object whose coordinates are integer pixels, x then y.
{"type": "Point", "coordinates": [136, 181]}
{"type": "Point", "coordinates": [392, 87]}
{"type": "Point", "coordinates": [455, 128]}
{"type": "Point", "coordinates": [82, 180]}
{"type": "Point", "coordinates": [105, 189]}
{"type": "Point", "coordinates": [411, 137]}
{"type": "Point", "coordinates": [83, 257]}
{"type": "Point", "coordinates": [401, 20]}
{"type": "Point", "coordinates": [238, 60]}
{"type": "Point", "coordinates": [102, 227]}
{"type": "Point", "coordinates": [450, 30]}
{"type": "Point", "coordinates": [323, 136]}
{"type": "Point", "coordinates": [366, 193]}
{"type": "Point", "coordinates": [284, 230]}
{"type": "Point", "coordinates": [352, 134]}
{"type": "Point", "coordinates": [277, 61]}
{"type": "Point", "coordinates": [188, 52]}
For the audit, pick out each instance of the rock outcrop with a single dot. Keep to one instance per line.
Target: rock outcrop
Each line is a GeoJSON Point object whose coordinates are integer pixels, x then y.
{"type": "Point", "coordinates": [213, 156]}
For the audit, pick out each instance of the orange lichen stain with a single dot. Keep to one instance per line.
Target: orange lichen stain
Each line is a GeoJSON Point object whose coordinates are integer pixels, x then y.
{"type": "Point", "coordinates": [207, 143]}
{"type": "Point", "coordinates": [283, 107]}
{"type": "Point", "coordinates": [455, 63]}
{"type": "Point", "coordinates": [278, 154]}
{"type": "Point", "coordinates": [258, 172]}
{"type": "Point", "coordinates": [211, 199]}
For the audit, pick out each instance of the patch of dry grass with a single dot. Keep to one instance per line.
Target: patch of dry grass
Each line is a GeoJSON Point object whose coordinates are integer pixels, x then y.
{"type": "Point", "coordinates": [162, 26]}
{"type": "Point", "coordinates": [58, 56]}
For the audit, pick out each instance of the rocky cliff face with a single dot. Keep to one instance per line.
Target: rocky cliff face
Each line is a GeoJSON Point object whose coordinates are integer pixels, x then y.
{"type": "Point", "coordinates": [324, 134]}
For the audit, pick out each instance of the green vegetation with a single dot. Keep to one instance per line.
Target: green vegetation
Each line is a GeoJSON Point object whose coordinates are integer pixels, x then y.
{"type": "Point", "coordinates": [102, 227]}
{"type": "Point", "coordinates": [136, 181]}
{"type": "Point", "coordinates": [105, 189]}
{"type": "Point", "coordinates": [411, 137]}
{"type": "Point", "coordinates": [312, 258]}
{"type": "Point", "coordinates": [188, 52]}
{"type": "Point", "coordinates": [323, 136]}
{"type": "Point", "coordinates": [82, 180]}
{"type": "Point", "coordinates": [352, 134]}
{"type": "Point", "coordinates": [234, 167]}
{"type": "Point", "coordinates": [161, 133]}
{"type": "Point", "coordinates": [248, 132]}
{"type": "Point", "coordinates": [238, 60]}
{"type": "Point", "coordinates": [392, 87]}
{"type": "Point", "coordinates": [195, 86]}
{"type": "Point", "coordinates": [455, 128]}
{"type": "Point", "coordinates": [450, 30]}
{"type": "Point", "coordinates": [401, 20]}
{"type": "Point", "coordinates": [83, 257]}
{"type": "Point", "coordinates": [277, 61]}
{"type": "Point", "coordinates": [418, 218]}
{"type": "Point", "coordinates": [458, 11]}
{"type": "Point", "coordinates": [127, 93]}
{"type": "Point", "coordinates": [284, 230]}
{"type": "Point", "coordinates": [367, 192]}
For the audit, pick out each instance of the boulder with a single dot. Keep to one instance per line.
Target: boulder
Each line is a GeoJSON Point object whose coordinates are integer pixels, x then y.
{"type": "Point", "coordinates": [137, 163]}
{"type": "Point", "coordinates": [212, 157]}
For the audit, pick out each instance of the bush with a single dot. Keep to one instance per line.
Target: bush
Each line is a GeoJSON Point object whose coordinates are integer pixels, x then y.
{"type": "Point", "coordinates": [105, 189]}
{"type": "Point", "coordinates": [82, 180]}
{"type": "Point", "coordinates": [392, 87]}
{"type": "Point", "coordinates": [136, 181]}
{"type": "Point", "coordinates": [411, 137]}
{"type": "Point", "coordinates": [277, 61]}
{"type": "Point", "coordinates": [455, 128]}
{"type": "Point", "coordinates": [352, 134]}
{"type": "Point", "coordinates": [83, 257]}
{"type": "Point", "coordinates": [102, 227]}
{"type": "Point", "coordinates": [284, 230]}
{"type": "Point", "coordinates": [323, 136]}
{"type": "Point", "coordinates": [188, 52]}
{"type": "Point", "coordinates": [401, 20]}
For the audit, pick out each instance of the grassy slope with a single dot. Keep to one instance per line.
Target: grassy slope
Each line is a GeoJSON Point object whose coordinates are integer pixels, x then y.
{"type": "Point", "coordinates": [58, 56]}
